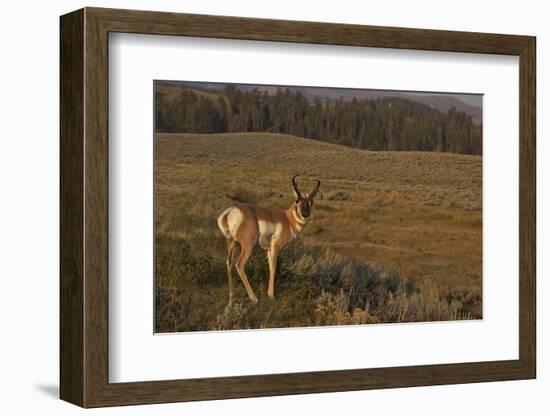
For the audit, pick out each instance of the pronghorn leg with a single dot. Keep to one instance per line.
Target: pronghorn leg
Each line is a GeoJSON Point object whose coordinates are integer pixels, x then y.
{"type": "Point", "coordinates": [231, 245]}
{"type": "Point", "coordinates": [244, 255]}
{"type": "Point", "coordinates": [272, 255]}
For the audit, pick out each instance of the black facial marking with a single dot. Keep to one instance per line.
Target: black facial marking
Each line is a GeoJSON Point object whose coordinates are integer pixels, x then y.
{"type": "Point", "coordinates": [304, 205]}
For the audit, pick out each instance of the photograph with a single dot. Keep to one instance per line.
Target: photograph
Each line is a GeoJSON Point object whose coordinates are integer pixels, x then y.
{"type": "Point", "coordinates": [280, 206]}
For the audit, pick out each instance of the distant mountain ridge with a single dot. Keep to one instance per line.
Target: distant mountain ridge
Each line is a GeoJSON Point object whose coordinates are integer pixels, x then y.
{"type": "Point", "coordinates": [442, 103]}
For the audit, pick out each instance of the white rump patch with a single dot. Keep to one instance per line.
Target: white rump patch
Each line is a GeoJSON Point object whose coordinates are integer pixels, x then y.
{"type": "Point", "coordinates": [234, 218]}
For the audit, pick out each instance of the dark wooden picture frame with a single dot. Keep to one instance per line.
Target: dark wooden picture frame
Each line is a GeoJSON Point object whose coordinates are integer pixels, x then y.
{"type": "Point", "coordinates": [84, 207]}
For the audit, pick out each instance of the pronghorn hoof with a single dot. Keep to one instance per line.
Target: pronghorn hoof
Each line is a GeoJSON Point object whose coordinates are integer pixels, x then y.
{"type": "Point", "coordinates": [254, 300]}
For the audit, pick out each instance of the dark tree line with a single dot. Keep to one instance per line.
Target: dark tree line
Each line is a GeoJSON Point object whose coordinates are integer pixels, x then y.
{"type": "Point", "coordinates": [375, 124]}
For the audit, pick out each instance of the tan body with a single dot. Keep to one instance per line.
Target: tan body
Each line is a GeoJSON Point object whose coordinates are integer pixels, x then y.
{"type": "Point", "coordinates": [249, 225]}
{"type": "Point", "coordinates": [271, 228]}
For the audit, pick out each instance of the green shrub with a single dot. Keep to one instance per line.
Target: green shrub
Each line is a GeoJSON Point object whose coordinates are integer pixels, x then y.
{"type": "Point", "coordinates": [314, 286]}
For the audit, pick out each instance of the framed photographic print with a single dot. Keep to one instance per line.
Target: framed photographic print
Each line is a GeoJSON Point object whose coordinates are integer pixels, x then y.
{"type": "Point", "coordinates": [256, 207]}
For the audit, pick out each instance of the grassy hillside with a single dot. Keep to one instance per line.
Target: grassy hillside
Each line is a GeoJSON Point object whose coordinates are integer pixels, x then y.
{"type": "Point", "coordinates": [171, 91]}
{"type": "Point", "coordinates": [394, 236]}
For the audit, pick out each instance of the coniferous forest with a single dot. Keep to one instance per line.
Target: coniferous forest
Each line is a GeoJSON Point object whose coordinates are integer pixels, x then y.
{"type": "Point", "coordinates": [388, 123]}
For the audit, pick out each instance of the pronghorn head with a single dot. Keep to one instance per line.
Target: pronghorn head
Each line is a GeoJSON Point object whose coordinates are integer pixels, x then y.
{"type": "Point", "coordinates": [304, 202]}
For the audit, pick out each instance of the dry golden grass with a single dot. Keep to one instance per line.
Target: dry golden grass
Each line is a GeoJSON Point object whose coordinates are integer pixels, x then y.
{"type": "Point", "coordinates": [414, 213]}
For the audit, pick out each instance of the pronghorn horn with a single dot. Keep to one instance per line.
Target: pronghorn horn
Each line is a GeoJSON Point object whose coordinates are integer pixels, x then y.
{"type": "Point", "coordinates": [314, 192]}
{"type": "Point", "coordinates": [295, 187]}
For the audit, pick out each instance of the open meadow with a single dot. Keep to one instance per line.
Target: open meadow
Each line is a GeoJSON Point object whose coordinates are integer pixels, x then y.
{"type": "Point", "coordinates": [393, 236]}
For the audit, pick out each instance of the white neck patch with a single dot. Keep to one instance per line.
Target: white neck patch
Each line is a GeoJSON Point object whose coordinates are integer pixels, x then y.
{"type": "Point", "coordinates": [299, 219]}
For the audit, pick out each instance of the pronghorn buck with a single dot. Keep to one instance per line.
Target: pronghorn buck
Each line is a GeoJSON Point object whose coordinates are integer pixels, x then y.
{"type": "Point", "coordinates": [272, 228]}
